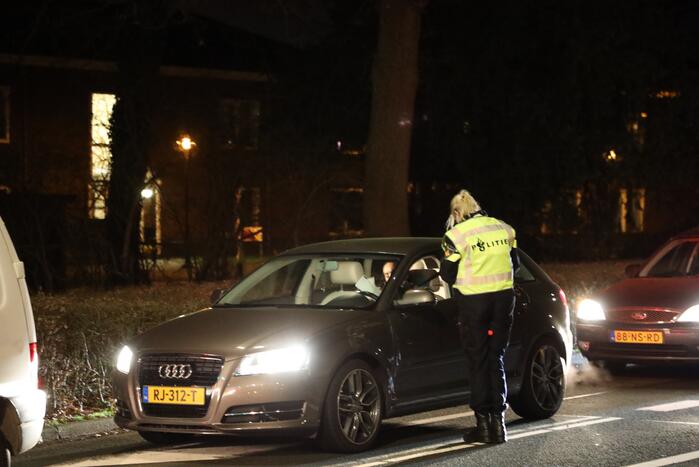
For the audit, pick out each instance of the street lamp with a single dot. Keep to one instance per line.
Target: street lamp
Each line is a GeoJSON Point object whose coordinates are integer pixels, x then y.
{"type": "Point", "coordinates": [185, 145]}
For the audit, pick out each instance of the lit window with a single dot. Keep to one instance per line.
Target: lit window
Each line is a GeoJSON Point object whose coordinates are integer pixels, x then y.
{"type": "Point", "coordinates": [253, 232]}
{"type": "Point", "coordinates": [101, 154]}
{"type": "Point", "coordinates": [4, 115]}
{"type": "Point", "coordinates": [667, 94]}
{"type": "Point", "coordinates": [240, 119]}
{"type": "Point", "coordinates": [632, 205]}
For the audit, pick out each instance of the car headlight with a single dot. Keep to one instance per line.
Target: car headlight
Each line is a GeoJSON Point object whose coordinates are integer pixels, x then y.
{"type": "Point", "coordinates": [690, 315]}
{"type": "Point", "coordinates": [274, 361]}
{"type": "Point", "coordinates": [124, 360]}
{"type": "Point", "coordinates": [590, 310]}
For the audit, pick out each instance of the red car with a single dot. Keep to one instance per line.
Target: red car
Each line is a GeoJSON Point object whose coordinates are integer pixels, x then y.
{"type": "Point", "coordinates": [651, 316]}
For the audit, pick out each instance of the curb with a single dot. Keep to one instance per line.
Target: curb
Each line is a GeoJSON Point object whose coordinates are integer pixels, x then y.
{"type": "Point", "coordinates": [77, 429]}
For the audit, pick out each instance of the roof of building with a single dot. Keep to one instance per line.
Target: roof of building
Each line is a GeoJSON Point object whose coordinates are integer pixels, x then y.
{"type": "Point", "coordinates": [117, 31]}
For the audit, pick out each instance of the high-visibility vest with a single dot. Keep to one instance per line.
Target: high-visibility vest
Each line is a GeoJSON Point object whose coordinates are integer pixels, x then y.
{"type": "Point", "coordinates": [483, 247]}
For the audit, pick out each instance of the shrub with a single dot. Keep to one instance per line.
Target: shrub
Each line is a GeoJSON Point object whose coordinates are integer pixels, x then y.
{"type": "Point", "coordinates": [81, 331]}
{"type": "Point", "coordinates": [580, 280]}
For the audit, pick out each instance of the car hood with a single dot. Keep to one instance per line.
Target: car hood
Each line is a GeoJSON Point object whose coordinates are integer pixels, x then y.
{"type": "Point", "coordinates": [667, 292]}
{"type": "Point", "coordinates": [234, 332]}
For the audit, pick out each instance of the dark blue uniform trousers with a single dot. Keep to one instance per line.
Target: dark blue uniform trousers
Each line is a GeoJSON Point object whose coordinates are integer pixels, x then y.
{"type": "Point", "coordinates": [477, 315]}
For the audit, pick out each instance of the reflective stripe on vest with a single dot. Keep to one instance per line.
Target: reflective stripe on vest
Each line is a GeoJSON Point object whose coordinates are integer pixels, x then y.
{"type": "Point", "coordinates": [484, 245]}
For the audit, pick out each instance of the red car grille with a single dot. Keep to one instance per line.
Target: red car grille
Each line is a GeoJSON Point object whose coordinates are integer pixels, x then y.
{"type": "Point", "coordinates": [641, 315]}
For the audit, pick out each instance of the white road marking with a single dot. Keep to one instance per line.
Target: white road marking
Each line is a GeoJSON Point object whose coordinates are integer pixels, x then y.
{"type": "Point", "coordinates": [580, 396]}
{"type": "Point", "coordinates": [686, 457]}
{"type": "Point", "coordinates": [442, 418]}
{"type": "Point", "coordinates": [194, 454]}
{"type": "Point", "coordinates": [568, 426]}
{"type": "Point", "coordinates": [425, 421]}
{"type": "Point", "coordinates": [435, 449]}
{"type": "Point", "coordinates": [201, 454]}
{"type": "Point", "coordinates": [580, 418]}
{"type": "Point", "coordinates": [688, 404]}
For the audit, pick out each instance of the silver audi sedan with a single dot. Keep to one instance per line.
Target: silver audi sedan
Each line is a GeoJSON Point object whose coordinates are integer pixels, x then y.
{"type": "Point", "coordinates": [326, 341]}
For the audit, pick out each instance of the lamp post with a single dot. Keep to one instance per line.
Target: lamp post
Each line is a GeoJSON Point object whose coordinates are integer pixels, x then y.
{"type": "Point", "coordinates": [185, 145]}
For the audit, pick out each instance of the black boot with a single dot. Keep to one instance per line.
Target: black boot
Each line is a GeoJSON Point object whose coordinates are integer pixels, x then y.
{"type": "Point", "coordinates": [480, 433]}
{"type": "Point", "coordinates": [497, 431]}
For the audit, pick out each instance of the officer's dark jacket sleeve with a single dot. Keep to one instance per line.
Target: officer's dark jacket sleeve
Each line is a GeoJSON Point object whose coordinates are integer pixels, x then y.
{"type": "Point", "coordinates": [449, 267]}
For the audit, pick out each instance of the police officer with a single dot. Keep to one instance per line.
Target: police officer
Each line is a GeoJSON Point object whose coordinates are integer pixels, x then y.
{"type": "Point", "coordinates": [480, 258]}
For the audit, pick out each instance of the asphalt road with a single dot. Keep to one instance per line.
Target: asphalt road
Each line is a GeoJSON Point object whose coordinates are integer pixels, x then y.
{"type": "Point", "coordinates": [647, 415]}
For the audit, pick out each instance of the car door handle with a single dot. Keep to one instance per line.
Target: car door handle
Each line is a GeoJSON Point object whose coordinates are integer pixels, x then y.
{"type": "Point", "coordinates": [403, 315]}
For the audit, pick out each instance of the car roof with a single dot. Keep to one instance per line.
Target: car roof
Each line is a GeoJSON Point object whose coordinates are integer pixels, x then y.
{"type": "Point", "coordinates": [388, 245]}
{"type": "Point", "coordinates": [691, 233]}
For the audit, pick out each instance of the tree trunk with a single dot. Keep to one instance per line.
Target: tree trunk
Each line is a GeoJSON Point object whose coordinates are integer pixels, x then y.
{"type": "Point", "coordinates": [130, 141]}
{"type": "Point", "coordinates": [395, 78]}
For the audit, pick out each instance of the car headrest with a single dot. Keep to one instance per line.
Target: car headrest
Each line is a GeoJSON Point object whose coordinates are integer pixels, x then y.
{"type": "Point", "coordinates": [347, 273]}
{"type": "Point", "coordinates": [417, 265]}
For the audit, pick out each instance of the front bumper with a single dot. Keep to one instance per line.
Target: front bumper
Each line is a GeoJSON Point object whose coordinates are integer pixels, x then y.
{"type": "Point", "coordinates": [284, 404]}
{"type": "Point", "coordinates": [680, 342]}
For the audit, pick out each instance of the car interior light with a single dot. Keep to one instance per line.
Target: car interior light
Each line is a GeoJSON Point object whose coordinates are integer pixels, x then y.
{"type": "Point", "coordinates": [690, 315]}
{"type": "Point", "coordinates": [274, 361]}
{"type": "Point", "coordinates": [590, 310]}
{"type": "Point", "coordinates": [124, 360]}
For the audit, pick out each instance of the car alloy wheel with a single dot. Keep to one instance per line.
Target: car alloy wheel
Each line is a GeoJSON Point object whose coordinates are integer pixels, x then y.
{"type": "Point", "coordinates": [358, 406]}
{"type": "Point", "coordinates": [543, 386]}
{"type": "Point", "coordinates": [353, 409]}
{"type": "Point", "coordinates": [547, 378]}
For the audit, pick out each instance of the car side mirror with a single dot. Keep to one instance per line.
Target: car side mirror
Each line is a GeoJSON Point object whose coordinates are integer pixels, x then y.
{"type": "Point", "coordinates": [415, 297]}
{"type": "Point", "coordinates": [632, 270]}
{"type": "Point", "coordinates": [216, 295]}
{"type": "Point", "coordinates": [421, 277]}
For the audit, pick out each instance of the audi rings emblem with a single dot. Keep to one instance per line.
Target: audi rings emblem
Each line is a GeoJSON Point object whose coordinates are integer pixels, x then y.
{"type": "Point", "coordinates": [175, 371]}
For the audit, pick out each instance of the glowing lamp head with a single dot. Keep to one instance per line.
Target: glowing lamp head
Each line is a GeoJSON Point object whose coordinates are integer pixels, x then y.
{"type": "Point", "coordinates": [123, 363]}
{"type": "Point", "coordinates": [186, 143]}
{"type": "Point", "coordinates": [590, 310]}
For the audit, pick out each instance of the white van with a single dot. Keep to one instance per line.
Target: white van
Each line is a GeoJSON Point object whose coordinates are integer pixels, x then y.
{"type": "Point", "coordinates": [22, 403]}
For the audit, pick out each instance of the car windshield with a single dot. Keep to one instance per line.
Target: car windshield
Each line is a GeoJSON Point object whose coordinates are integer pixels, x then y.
{"type": "Point", "coordinates": [327, 281]}
{"type": "Point", "coordinates": [679, 259]}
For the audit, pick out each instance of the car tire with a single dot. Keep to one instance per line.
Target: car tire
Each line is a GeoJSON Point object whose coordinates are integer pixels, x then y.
{"type": "Point", "coordinates": [163, 438]}
{"type": "Point", "coordinates": [352, 410]}
{"type": "Point", "coordinates": [543, 383]}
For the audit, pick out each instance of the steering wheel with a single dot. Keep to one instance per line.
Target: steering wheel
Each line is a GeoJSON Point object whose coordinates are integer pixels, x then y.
{"type": "Point", "coordinates": [369, 295]}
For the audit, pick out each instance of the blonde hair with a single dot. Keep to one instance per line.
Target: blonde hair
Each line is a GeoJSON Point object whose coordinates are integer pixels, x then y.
{"type": "Point", "coordinates": [462, 205]}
